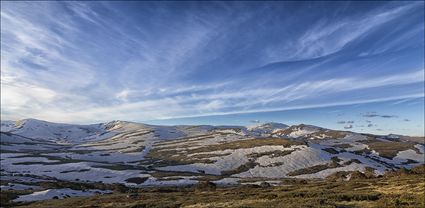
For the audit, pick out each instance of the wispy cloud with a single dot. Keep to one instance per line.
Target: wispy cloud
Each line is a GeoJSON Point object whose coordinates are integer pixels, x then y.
{"type": "Point", "coordinates": [327, 37]}
{"type": "Point", "coordinates": [348, 126]}
{"type": "Point", "coordinates": [375, 114]}
{"type": "Point", "coordinates": [97, 61]}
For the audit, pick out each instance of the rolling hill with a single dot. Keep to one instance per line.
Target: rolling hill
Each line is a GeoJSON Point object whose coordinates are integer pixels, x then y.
{"type": "Point", "coordinates": [141, 155]}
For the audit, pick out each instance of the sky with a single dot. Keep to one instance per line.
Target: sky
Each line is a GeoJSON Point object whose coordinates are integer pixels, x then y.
{"type": "Point", "coordinates": [355, 66]}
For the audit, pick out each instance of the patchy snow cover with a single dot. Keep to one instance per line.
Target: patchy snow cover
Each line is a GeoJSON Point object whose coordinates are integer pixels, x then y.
{"type": "Point", "coordinates": [303, 130]}
{"type": "Point", "coordinates": [6, 126]}
{"type": "Point", "coordinates": [353, 140]}
{"type": "Point", "coordinates": [266, 128]}
{"type": "Point", "coordinates": [420, 147]}
{"type": "Point", "coordinates": [236, 158]}
{"type": "Point", "coordinates": [21, 158]}
{"type": "Point", "coordinates": [66, 133]}
{"type": "Point", "coordinates": [199, 141]}
{"type": "Point", "coordinates": [151, 181]}
{"type": "Point", "coordinates": [227, 181]}
{"type": "Point", "coordinates": [327, 172]}
{"type": "Point", "coordinates": [115, 151]}
{"type": "Point", "coordinates": [410, 155]}
{"type": "Point", "coordinates": [365, 161]}
{"type": "Point", "coordinates": [82, 171]}
{"type": "Point", "coordinates": [307, 151]}
{"type": "Point", "coordinates": [168, 132]}
{"type": "Point", "coordinates": [109, 157]}
{"type": "Point", "coordinates": [301, 158]}
{"type": "Point", "coordinates": [17, 186]}
{"type": "Point", "coordinates": [272, 183]}
{"type": "Point", "coordinates": [23, 179]}
{"type": "Point", "coordinates": [6, 138]}
{"type": "Point", "coordinates": [59, 193]}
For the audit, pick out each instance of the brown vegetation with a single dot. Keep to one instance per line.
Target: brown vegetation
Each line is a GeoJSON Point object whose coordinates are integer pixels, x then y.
{"type": "Point", "coordinates": [388, 149]}
{"type": "Point", "coordinates": [403, 191]}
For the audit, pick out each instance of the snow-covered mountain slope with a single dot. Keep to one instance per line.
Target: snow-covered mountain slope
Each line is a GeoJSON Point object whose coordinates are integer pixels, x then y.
{"type": "Point", "coordinates": [301, 131]}
{"type": "Point", "coordinates": [266, 128]}
{"type": "Point", "coordinates": [137, 154]}
{"type": "Point", "coordinates": [6, 126]}
{"type": "Point", "coordinates": [64, 133]}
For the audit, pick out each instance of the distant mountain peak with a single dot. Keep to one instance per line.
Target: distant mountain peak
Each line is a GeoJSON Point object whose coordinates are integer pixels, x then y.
{"type": "Point", "coordinates": [269, 125]}
{"type": "Point", "coordinates": [266, 128]}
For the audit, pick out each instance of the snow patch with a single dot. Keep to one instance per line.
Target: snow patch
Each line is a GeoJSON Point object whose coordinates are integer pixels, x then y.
{"type": "Point", "coordinates": [59, 193]}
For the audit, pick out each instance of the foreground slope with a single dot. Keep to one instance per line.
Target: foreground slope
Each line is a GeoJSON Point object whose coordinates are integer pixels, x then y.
{"type": "Point", "coordinates": [395, 189]}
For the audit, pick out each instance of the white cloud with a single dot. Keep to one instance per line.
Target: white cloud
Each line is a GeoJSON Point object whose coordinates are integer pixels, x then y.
{"type": "Point", "coordinates": [71, 86]}
{"type": "Point", "coordinates": [327, 37]}
{"type": "Point", "coordinates": [307, 106]}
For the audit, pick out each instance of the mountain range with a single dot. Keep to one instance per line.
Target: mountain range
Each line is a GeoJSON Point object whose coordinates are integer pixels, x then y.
{"type": "Point", "coordinates": [140, 155]}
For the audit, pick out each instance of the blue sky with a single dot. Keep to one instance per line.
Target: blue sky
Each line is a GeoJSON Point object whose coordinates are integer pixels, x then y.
{"type": "Point", "coordinates": [216, 63]}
